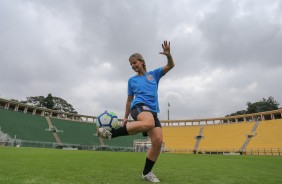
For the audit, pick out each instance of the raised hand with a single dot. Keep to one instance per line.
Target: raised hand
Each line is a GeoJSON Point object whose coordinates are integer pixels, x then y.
{"type": "Point", "coordinates": [166, 48]}
{"type": "Point", "coordinates": [166, 52]}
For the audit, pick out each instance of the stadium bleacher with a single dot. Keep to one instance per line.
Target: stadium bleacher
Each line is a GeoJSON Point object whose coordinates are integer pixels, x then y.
{"type": "Point", "coordinates": [24, 126]}
{"type": "Point", "coordinates": [76, 132]}
{"type": "Point", "coordinates": [225, 136]}
{"type": "Point", "coordinates": [220, 138]}
{"type": "Point", "coordinates": [268, 135]}
{"type": "Point", "coordinates": [180, 137]}
{"type": "Point", "coordinates": [36, 128]}
{"type": "Point", "coordinates": [228, 134]}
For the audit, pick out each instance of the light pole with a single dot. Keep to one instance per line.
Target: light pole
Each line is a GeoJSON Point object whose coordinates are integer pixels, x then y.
{"type": "Point", "coordinates": [168, 106]}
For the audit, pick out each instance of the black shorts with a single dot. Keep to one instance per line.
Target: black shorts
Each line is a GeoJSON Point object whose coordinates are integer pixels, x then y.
{"type": "Point", "coordinates": [138, 108]}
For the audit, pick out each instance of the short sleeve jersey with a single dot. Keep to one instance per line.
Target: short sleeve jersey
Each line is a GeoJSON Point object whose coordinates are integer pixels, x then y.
{"type": "Point", "coordinates": [145, 89]}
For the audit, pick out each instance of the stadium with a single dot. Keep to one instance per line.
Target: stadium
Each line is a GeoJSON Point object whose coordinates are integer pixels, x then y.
{"type": "Point", "coordinates": [102, 56]}
{"type": "Point", "coordinates": [255, 136]}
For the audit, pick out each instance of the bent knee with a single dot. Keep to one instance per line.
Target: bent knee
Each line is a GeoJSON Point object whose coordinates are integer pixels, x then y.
{"type": "Point", "coordinates": [158, 141]}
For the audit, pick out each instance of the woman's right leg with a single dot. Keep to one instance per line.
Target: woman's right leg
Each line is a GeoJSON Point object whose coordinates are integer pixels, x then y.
{"type": "Point", "coordinates": [145, 122]}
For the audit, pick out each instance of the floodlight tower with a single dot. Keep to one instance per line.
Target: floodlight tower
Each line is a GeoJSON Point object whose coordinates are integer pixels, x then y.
{"type": "Point", "coordinates": [168, 106]}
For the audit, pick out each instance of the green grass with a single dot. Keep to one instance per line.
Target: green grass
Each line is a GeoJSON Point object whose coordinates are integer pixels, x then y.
{"type": "Point", "coordinates": [51, 166]}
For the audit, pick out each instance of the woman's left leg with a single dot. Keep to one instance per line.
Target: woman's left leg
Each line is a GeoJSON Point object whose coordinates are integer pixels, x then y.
{"type": "Point", "coordinates": [156, 136]}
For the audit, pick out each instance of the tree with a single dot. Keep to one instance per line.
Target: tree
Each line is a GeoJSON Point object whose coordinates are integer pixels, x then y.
{"type": "Point", "coordinates": [263, 105]}
{"type": "Point", "coordinates": [62, 105]}
{"type": "Point", "coordinates": [50, 102]}
{"type": "Point", "coordinates": [37, 101]}
{"type": "Point", "coordinates": [241, 112]}
{"type": "Point", "coordinates": [260, 106]}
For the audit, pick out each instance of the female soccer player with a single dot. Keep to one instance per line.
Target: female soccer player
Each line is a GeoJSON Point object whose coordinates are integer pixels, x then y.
{"type": "Point", "coordinates": [142, 104]}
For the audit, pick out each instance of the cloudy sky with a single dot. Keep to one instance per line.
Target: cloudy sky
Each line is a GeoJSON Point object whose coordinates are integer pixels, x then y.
{"type": "Point", "coordinates": [226, 52]}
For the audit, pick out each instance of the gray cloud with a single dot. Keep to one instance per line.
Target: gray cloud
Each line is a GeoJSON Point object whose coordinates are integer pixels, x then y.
{"type": "Point", "coordinates": [226, 52]}
{"type": "Point", "coordinates": [237, 33]}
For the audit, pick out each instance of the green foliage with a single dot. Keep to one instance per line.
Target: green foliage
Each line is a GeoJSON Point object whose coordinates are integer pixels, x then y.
{"type": "Point", "coordinates": [14, 100]}
{"type": "Point", "coordinates": [50, 102]}
{"type": "Point", "coordinates": [37, 101]}
{"type": "Point", "coordinates": [239, 113]}
{"type": "Point", "coordinates": [263, 105]}
{"type": "Point", "coordinates": [260, 106]}
{"type": "Point", "coordinates": [62, 105]}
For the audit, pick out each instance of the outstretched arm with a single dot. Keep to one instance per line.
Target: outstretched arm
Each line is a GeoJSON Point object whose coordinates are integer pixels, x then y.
{"type": "Point", "coordinates": [166, 52]}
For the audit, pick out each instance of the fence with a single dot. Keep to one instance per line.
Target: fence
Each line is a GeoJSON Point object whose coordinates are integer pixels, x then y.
{"type": "Point", "coordinates": [269, 152]}
{"type": "Point", "coordinates": [261, 152]}
{"type": "Point", "coordinates": [37, 144]}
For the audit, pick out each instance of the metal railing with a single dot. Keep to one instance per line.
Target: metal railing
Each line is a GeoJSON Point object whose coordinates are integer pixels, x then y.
{"type": "Point", "coordinates": [38, 144]}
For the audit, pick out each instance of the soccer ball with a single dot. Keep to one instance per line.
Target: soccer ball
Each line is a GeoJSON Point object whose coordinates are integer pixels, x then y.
{"type": "Point", "coordinates": [108, 120]}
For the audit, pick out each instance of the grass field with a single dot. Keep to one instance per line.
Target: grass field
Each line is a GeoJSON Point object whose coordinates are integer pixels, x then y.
{"type": "Point", "coordinates": [51, 166]}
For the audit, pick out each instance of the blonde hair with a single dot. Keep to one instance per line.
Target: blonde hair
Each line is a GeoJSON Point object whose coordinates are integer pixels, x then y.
{"type": "Point", "coordinates": [140, 58]}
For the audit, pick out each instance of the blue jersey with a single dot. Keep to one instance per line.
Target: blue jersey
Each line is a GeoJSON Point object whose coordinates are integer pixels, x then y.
{"type": "Point", "coordinates": [145, 89]}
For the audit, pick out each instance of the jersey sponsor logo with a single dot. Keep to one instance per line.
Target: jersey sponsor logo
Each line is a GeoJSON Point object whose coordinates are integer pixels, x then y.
{"type": "Point", "coordinates": [150, 77]}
